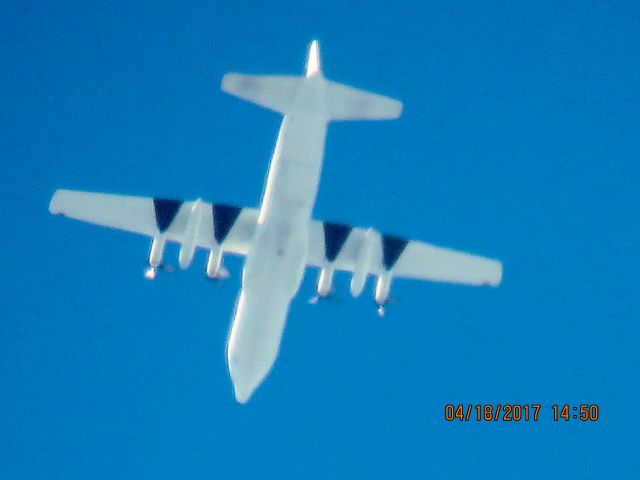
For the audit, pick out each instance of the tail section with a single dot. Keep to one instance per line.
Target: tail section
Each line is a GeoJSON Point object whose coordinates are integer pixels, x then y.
{"type": "Point", "coordinates": [275, 92]}
{"type": "Point", "coordinates": [313, 66]}
{"type": "Point", "coordinates": [347, 103]}
{"type": "Point", "coordinates": [289, 95]}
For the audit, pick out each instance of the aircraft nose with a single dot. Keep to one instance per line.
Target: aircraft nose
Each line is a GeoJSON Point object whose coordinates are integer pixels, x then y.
{"type": "Point", "coordinates": [244, 377]}
{"type": "Point", "coordinates": [242, 392]}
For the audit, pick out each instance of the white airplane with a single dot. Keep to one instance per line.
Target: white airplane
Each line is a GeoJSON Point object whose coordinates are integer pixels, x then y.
{"type": "Point", "coordinates": [280, 239]}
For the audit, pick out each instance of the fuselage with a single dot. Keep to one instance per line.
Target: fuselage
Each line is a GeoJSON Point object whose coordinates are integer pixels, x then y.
{"type": "Point", "coordinates": [277, 246]}
{"type": "Point", "coordinates": [275, 265]}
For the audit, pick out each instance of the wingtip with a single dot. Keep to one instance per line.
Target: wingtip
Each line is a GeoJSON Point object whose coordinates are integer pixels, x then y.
{"type": "Point", "coordinates": [498, 277]}
{"type": "Point", "coordinates": [399, 107]}
{"type": "Point", "coordinates": [53, 204]}
{"type": "Point", "coordinates": [228, 81]}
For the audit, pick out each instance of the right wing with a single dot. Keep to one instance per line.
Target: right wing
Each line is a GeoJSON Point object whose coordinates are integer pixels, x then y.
{"type": "Point", "coordinates": [351, 249]}
{"type": "Point", "coordinates": [230, 226]}
{"type": "Point", "coordinates": [423, 261]}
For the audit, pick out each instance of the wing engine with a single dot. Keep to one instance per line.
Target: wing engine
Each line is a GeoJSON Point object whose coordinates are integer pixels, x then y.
{"type": "Point", "coordinates": [367, 252]}
{"type": "Point", "coordinates": [197, 224]}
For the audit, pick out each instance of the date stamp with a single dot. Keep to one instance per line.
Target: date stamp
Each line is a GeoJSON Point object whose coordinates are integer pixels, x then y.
{"type": "Point", "coordinates": [515, 412]}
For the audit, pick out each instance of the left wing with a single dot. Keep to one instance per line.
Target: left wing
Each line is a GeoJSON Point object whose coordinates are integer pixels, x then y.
{"type": "Point", "coordinates": [173, 220]}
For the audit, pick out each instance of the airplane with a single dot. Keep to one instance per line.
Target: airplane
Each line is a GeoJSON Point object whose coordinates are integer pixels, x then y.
{"type": "Point", "coordinates": [280, 239]}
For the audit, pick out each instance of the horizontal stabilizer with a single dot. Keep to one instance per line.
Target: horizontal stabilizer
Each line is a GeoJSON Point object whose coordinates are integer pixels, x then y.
{"type": "Point", "coordinates": [311, 94]}
{"type": "Point", "coordinates": [275, 92]}
{"type": "Point", "coordinates": [339, 102]}
{"type": "Point", "coordinates": [348, 103]}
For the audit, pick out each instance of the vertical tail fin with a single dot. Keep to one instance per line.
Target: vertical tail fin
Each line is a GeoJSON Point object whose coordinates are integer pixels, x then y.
{"type": "Point", "coordinates": [313, 66]}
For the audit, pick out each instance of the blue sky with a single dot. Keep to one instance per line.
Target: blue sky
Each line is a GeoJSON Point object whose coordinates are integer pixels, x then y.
{"type": "Point", "coordinates": [519, 140]}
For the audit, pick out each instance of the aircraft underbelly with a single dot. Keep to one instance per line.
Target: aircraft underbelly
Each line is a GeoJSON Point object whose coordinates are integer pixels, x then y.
{"type": "Point", "coordinates": [275, 265]}
{"type": "Point", "coordinates": [277, 244]}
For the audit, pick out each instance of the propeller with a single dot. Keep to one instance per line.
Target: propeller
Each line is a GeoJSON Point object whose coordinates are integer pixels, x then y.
{"type": "Point", "coordinates": [221, 274]}
{"type": "Point", "coordinates": [333, 296]}
{"type": "Point", "coordinates": [382, 307]}
{"type": "Point", "coordinates": [150, 273]}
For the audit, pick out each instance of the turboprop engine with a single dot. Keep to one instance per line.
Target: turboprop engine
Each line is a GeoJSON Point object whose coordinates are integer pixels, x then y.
{"type": "Point", "coordinates": [324, 285]}
{"type": "Point", "coordinates": [325, 281]}
{"type": "Point", "coordinates": [155, 256]}
{"type": "Point", "coordinates": [361, 269]}
{"type": "Point", "coordinates": [381, 295]}
{"type": "Point", "coordinates": [192, 231]}
{"type": "Point", "coordinates": [215, 269]}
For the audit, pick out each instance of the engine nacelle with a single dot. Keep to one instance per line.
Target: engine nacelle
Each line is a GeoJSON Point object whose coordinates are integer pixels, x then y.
{"type": "Point", "coordinates": [157, 251]}
{"type": "Point", "coordinates": [383, 286]}
{"type": "Point", "coordinates": [187, 252]}
{"type": "Point", "coordinates": [192, 230]}
{"type": "Point", "coordinates": [155, 256]}
{"type": "Point", "coordinates": [361, 269]}
{"type": "Point", "coordinates": [325, 281]}
{"type": "Point", "coordinates": [215, 269]}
